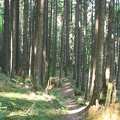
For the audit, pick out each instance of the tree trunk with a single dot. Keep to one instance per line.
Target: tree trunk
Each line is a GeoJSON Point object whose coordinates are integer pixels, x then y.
{"type": "Point", "coordinates": [67, 36]}
{"type": "Point", "coordinates": [61, 48]}
{"type": "Point", "coordinates": [78, 43]}
{"type": "Point", "coordinates": [109, 63]}
{"type": "Point", "coordinates": [95, 46]}
{"type": "Point", "coordinates": [38, 44]}
{"type": "Point", "coordinates": [25, 40]}
{"type": "Point", "coordinates": [6, 52]}
{"type": "Point", "coordinates": [13, 37]}
{"type": "Point", "coordinates": [99, 57]}
{"type": "Point", "coordinates": [84, 52]}
{"type": "Point", "coordinates": [55, 41]}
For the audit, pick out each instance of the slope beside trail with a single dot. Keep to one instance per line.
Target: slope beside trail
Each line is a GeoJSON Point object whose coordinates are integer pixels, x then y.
{"type": "Point", "coordinates": [74, 109]}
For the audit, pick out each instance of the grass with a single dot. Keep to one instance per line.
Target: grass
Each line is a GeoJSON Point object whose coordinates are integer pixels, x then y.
{"type": "Point", "coordinates": [19, 103]}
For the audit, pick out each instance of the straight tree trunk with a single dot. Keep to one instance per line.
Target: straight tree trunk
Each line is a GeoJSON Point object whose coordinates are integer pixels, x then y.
{"type": "Point", "coordinates": [67, 36]}
{"type": "Point", "coordinates": [61, 47]}
{"type": "Point", "coordinates": [84, 52]}
{"type": "Point", "coordinates": [95, 46]}
{"type": "Point", "coordinates": [5, 62]}
{"type": "Point", "coordinates": [55, 41]}
{"type": "Point", "coordinates": [38, 44]}
{"type": "Point", "coordinates": [25, 39]}
{"type": "Point", "coordinates": [109, 63]}
{"type": "Point", "coordinates": [13, 37]}
{"type": "Point", "coordinates": [17, 38]}
{"type": "Point", "coordinates": [99, 57]}
{"type": "Point", "coordinates": [46, 43]}
{"type": "Point", "coordinates": [79, 37]}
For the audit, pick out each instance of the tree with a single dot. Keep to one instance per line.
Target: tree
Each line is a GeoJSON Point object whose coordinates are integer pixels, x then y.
{"type": "Point", "coordinates": [67, 36]}
{"type": "Point", "coordinates": [78, 41]}
{"type": "Point", "coordinates": [25, 40]}
{"type": "Point", "coordinates": [94, 47]}
{"type": "Point", "coordinates": [110, 44]}
{"type": "Point", "coordinates": [55, 40]}
{"type": "Point", "coordinates": [99, 57]}
{"type": "Point", "coordinates": [17, 38]}
{"type": "Point", "coordinates": [38, 44]}
{"type": "Point", "coordinates": [61, 46]}
{"type": "Point", "coordinates": [14, 36]}
{"type": "Point", "coordinates": [84, 49]}
{"type": "Point", "coordinates": [5, 62]}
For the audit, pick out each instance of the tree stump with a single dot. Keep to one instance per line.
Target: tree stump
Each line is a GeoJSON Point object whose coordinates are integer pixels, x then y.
{"type": "Point", "coordinates": [109, 92]}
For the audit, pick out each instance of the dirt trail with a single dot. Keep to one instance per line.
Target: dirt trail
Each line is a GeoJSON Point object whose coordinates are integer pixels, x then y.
{"type": "Point", "coordinates": [73, 107]}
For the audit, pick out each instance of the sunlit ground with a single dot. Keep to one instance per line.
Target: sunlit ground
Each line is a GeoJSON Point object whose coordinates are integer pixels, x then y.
{"type": "Point", "coordinates": [110, 113]}
{"type": "Point", "coordinates": [19, 103]}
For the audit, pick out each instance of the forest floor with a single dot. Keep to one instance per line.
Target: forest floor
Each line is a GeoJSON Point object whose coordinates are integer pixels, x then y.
{"type": "Point", "coordinates": [18, 102]}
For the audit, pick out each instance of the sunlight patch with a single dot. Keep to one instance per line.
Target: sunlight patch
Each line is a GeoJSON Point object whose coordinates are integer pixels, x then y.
{"type": "Point", "coordinates": [31, 96]}
{"type": "Point", "coordinates": [76, 110]}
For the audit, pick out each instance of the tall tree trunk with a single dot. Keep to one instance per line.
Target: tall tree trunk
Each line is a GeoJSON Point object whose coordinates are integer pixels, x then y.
{"type": "Point", "coordinates": [85, 47]}
{"type": "Point", "coordinates": [47, 65]}
{"type": "Point", "coordinates": [62, 47]}
{"type": "Point", "coordinates": [31, 24]}
{"type": "Point", "coordinates": [5, 62]}
{"type": "Point", "coordinates": [95, 46]}
{"type": "Point", "coordinates": [109, 63]}
{"type": "Point", "coordinates": [99, 57]}
{"type": "Point", "coordinates": [25, 39]}
{"type": "Point", "coordinates": [38, 44]}
{"type": "Point", "coordinates": [78, 43]}
{"type": "Point", "coordinates": [13, 37]}
{"type": "Point", "coordinates": [46, 42]}
{"type": "Point", "coordinates": [17, 38]}
{"type": "Point", "coordinates": [67, 36]}
{"type": "Point", "coordinates": [55, 41]}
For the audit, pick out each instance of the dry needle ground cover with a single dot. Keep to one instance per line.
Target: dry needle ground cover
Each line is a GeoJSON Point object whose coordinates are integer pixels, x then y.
{"type": "Point", "coordinates": [19, 103]}
{"type": "Point", "coordinates": [110, 113]}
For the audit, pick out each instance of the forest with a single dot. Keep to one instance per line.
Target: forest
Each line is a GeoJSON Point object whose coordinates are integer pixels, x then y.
{"type": "Point", "coordinates": [59, 59]}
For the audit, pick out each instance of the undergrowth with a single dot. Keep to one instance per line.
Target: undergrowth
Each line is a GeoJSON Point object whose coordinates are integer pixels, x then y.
{"type": "Point", "coordinates": [20, 103]}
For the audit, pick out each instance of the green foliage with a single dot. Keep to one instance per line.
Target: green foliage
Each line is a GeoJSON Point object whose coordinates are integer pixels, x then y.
{"type": "Point", "coordinates": [18, 103]}
{"type": "Point", "coordinates": [82, 102]}
{"type": "Point", "coordinates": [102, 100]}
{"type": "Point", "coordinates": [78, 92]}
{"type": "Point", "coordinates": [62, 106]}
{"type": "Point", "coordinates": [1, 107]}
{"type": "Point", "coordinates": [31, 109]}
{"type": "Point", "coordinates": [2, 114]}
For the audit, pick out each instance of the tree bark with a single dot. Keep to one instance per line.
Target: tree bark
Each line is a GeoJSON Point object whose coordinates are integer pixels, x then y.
{"type": "Point", "coordinates": [99, 57]}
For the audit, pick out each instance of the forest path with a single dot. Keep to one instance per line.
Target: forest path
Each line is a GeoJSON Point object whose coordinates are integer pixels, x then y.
{"type": "Point", "coordinates": [68, 96]}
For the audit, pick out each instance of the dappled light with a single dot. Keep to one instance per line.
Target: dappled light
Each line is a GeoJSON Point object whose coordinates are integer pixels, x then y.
{"type": "Point", "coordinates": [107, 73]}
{"type": "Point", "coordinates": [68, 90]}
{"type": "Point", "coordinates": [30, 97]}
